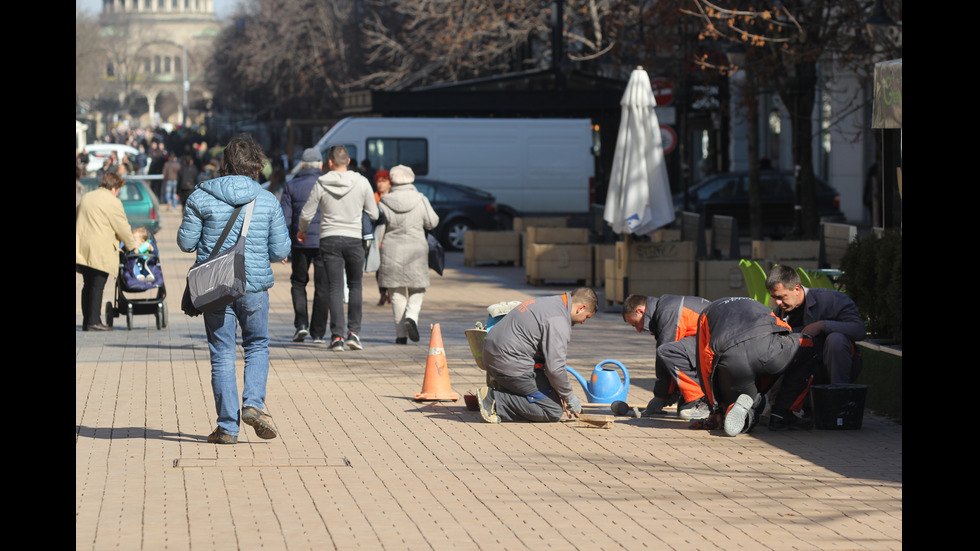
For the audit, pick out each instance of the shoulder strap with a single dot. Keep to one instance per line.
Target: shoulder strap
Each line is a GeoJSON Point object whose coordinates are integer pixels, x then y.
{"type": "Point", "coordinates": [231, 224]}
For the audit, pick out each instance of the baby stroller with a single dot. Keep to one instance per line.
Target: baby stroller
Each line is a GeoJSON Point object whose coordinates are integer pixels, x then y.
{"type": "Point", "coordinates": [139, 273]}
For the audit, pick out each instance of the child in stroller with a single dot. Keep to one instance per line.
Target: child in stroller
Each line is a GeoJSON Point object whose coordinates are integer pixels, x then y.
{"type": "Point", "coordinates": [139, 271]}
{"type": "Point", "coordinates": [141, 266]}
{"type": "Point", "coordinates": [143, 248]}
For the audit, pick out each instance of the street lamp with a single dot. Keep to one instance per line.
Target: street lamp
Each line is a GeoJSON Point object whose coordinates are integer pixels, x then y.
{"type": "Point", "coordinates": [879, 23]}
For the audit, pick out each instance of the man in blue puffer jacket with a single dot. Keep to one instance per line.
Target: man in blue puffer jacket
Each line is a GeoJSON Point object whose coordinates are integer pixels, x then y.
{"type": "Point", "coordinates": [208, 210]}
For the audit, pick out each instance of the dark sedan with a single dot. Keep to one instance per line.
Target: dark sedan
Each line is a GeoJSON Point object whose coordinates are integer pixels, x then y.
{"type": "Point", "coordinates": [728, 194]}
{"type": "Point", "coordinates": [462, 208]}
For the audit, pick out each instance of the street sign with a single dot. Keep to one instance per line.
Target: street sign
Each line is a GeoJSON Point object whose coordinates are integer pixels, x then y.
{"type": "Point", "coordinates": [663, 90]}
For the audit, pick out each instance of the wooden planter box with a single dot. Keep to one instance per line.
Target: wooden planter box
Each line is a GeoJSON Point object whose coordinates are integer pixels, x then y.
{"type": "Point", "coordinates": [798, 254]}
{"type": "Point", "coordinates": [834, 241]}
{"type": "Point", "coordinates": [719, 279]}
{"type": "Point", "coordinates": [555, 261]}
{"type": "Point", "coordinates": [613, 283]}
{"type": "Point", "coordinates": [600, 254]}
{"type": "Point", "coordinates": [575, 236]}
{"type": "Point", "coordinates": [491, 247]}
{"type": "Point", "coordinates": [654, 269]}
{"type": "Point", "coordinates": [523, 223]}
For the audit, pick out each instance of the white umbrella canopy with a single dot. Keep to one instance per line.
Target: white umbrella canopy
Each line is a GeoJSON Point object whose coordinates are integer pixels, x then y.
{"type": "Point", "coordinates": [639, 198]}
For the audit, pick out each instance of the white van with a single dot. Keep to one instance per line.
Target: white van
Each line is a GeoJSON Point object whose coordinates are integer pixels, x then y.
{"type": "Point", "coordinates": [536, 166]}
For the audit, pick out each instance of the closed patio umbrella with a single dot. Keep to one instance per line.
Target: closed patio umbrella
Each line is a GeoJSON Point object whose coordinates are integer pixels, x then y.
{"type": "Point", "coordinates": [638, 200]}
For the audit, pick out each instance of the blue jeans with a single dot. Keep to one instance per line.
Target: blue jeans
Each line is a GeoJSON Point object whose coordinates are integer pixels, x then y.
{"type": "Point", "coordinates": [170, 192]}
{"type": "Point", "coordinates": [251, 312]}
{"type": "Point", "coordinates": [343, 256]}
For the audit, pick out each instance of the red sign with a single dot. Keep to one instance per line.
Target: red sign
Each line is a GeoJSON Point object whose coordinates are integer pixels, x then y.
{"type": "Point", "coordinates": [663, 91]}
{"type": "Point", "coordinates": [668, 138]}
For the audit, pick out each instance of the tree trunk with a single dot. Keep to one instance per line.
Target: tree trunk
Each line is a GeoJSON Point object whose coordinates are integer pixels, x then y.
{"type": "Point", "coordinates": [752, 136]}
{"type": "Point", "coordinates": [799, 94]}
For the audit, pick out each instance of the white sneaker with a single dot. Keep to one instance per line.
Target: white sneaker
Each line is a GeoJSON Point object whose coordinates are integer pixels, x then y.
{"type": "Point", "coordinates": [699, 410]}
{"type": "Point", "coordinates": [738, 418]}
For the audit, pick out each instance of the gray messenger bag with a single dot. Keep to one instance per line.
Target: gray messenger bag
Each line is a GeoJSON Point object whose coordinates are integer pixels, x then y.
{"type": "Point", "coordinates": [218, 281]}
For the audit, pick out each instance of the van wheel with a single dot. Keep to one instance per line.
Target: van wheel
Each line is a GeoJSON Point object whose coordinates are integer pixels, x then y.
{"type": "Point", "coordinates": [455, 234]}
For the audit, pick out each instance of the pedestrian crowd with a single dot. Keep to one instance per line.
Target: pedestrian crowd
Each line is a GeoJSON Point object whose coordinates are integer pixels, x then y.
{"type": "Point", "coordinates": [725, 363]}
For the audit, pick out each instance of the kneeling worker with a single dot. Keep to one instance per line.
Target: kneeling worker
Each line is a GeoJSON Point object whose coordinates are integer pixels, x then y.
{"type": "Point", "coordinates": [673, 321]}
{"type": "Point", "coordinates": [525, 356]}
{"type": "Point", "coordinates": [741, 345]}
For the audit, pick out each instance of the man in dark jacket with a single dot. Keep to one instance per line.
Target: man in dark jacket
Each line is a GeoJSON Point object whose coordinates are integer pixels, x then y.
{"type": "Point", "coordinates": [294, 196]}
{"type": "Point", "coordinates": [829, 316]}
{"type": "Point", "coordinates": [673, 321]}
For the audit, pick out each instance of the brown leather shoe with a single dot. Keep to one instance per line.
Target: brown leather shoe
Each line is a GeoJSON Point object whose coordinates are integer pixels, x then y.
{"type": "Point", "coordinates": [219, 436]}
{"type": "Point", "coordinates": [96, 327]}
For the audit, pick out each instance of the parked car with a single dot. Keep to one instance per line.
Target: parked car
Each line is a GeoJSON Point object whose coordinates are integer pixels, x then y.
{"type": "Point", "coordinates": [728, 194]}
{"type": "Point", "coordinates": [462, 208]}
{"type": "Point", "coordinates": [98, 152]}
{"type": "Point", "coordinates": [140, 203]}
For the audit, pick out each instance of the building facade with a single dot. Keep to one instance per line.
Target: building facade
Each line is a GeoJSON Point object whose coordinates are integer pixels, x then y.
{"type": "Point", "coordinates": [157, 54]}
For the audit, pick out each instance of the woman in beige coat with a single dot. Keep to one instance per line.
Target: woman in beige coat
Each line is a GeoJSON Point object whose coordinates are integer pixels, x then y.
{"type": "Point", "coordinates": [404, 267]}
{"type": "Point", "coordinates": [100, 224]}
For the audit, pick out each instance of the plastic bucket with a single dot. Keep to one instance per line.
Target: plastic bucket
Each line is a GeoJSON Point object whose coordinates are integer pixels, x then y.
{"type": "Point", "coordinates": [838, 406]}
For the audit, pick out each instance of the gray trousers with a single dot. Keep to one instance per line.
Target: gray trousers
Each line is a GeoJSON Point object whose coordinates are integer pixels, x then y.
{"type": "Point", "coordinates": [676, 370]}
{"type": "Point", "coordinates": [739, 368]}
{"type": "Point", "coordinates": [526, 398]}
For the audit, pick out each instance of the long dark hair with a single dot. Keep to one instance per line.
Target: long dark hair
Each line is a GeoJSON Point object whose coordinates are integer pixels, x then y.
{"type": "Point", "coordinates": [242, 156]}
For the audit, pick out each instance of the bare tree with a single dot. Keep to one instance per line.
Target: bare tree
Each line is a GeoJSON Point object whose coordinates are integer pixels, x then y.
{"type": "Point", "coordinates": [90, 56]}
{"type": "Point", "coordinates": [288, 56]}
{"type": "Point", "coordinates": [787, 43]}
{"type": "Point", "coordinates": [414, 42]}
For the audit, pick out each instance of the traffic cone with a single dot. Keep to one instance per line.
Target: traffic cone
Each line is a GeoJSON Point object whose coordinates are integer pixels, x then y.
{"type": "Point", "coordinates": [436, 385]}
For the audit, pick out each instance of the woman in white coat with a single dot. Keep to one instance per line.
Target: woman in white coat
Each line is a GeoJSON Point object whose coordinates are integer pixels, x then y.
{"type": "Point", "coordinates": [404, 267]}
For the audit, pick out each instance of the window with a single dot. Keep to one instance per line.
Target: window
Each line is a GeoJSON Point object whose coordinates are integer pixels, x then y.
{"type": "Point", "coordinates": [722, 187]}
{"type": "Point", "coordinates": [130, 192]}
{"type": "Point", "coordinates": [385, 153]}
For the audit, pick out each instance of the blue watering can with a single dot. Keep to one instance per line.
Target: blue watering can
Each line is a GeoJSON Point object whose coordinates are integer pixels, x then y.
{"type": "Point", "coordinates": [604, 386]}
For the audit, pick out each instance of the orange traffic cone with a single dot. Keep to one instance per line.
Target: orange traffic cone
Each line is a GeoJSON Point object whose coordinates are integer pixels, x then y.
{"type": "Point", "coordinates": [436, 385]}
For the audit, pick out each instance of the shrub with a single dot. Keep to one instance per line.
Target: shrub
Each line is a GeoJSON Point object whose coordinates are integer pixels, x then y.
{"type": "Point", "coordinates": [872, 278]}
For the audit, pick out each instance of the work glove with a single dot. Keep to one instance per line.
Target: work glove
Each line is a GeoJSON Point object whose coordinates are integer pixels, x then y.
{"type": "Point", "coordinates": [574, 405]}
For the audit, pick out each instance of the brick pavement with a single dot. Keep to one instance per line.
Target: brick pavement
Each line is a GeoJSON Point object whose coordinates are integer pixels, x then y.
{"type": "Point", "coordinates": [361, 465]}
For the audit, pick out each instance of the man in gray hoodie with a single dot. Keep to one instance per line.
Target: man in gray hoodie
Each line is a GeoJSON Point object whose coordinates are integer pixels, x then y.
{"type": "Point", "coordinates": [341, 196]}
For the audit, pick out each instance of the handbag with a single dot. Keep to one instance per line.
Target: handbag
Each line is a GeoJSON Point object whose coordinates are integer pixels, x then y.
{"type": "Point", "coordinates": [372, 256]}
{"type": "Point", "coordinates": [437, 256]}
{"type": "Point", "coordinates": [218, 281]}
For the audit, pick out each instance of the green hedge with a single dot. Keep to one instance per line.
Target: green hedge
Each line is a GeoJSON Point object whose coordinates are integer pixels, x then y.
{"type": "Point", "coordinates": [883, 373]}
{"type": "Point", "coordinates": [872, 277]}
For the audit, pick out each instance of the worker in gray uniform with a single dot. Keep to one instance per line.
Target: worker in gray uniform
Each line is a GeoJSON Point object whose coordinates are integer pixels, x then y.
{"type": "Point", "coordinates": [525, 357]}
